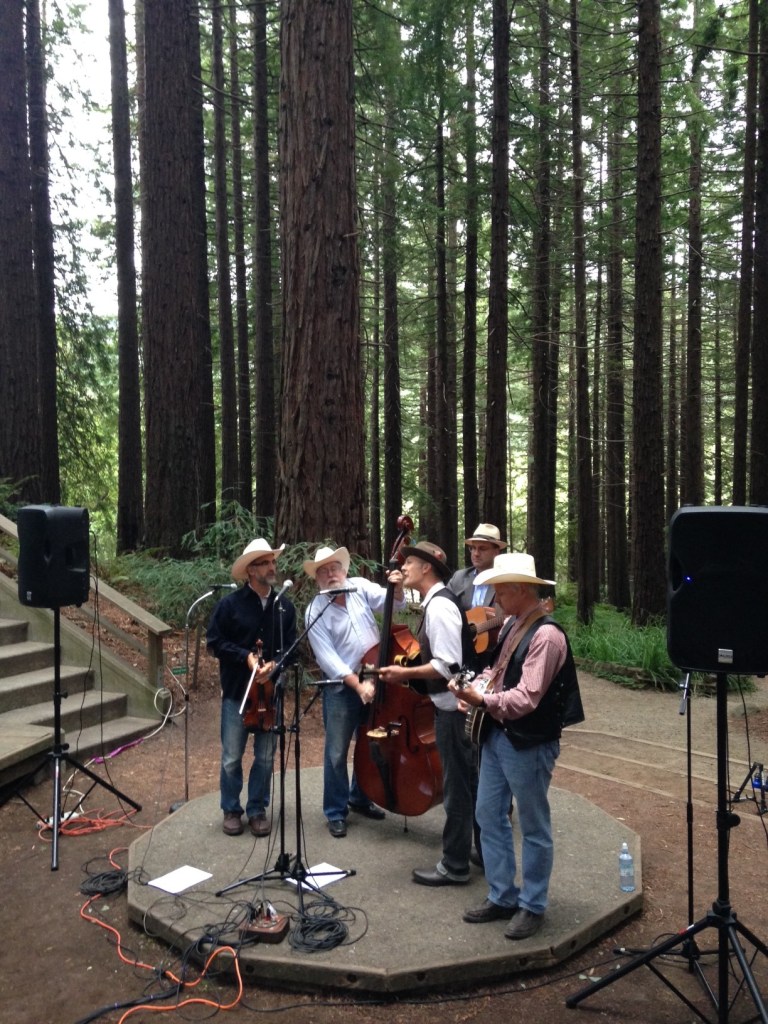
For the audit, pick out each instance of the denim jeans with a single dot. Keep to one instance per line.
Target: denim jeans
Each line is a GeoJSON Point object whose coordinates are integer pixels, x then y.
{"type": "Point", "coordinates": [525, 775]}
{"type": "Point", "coordinates": [459, 784]}
{"type": "Point", "coordinates": [343, 713]}
{"type": "Point", "coordinates": [234, 737]}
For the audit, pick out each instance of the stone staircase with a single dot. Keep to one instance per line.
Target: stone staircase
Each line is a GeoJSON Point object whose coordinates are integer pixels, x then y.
{"type": "Point", "coordinates": [93, 721]}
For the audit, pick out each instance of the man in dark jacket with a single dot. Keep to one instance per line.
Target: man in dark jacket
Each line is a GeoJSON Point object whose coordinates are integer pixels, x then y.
{"type": "Point", "coordinates": [245, 624]}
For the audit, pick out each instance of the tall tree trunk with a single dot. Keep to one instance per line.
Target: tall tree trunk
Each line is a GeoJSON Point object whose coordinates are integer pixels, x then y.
{"type": "Point", "coordinates": [393, 434]}
{"type": "Point", "coordinates": [673, 404]}
{"type": "Point", "coordinates": [692, 477]}
{"type": "Point", "coordinates": [44, 255]}
{"type": "Point", "coordinates": [180, 472]}
{"type": "Point", "coordinates": [647, 553]}
{"type": "Point", "coordinates": [20, 440]}
{"type": "Point", "coordinates": [617, 569]}
{"type": "Point", "coordinates": [321, 437]}
{"type": "Point", "coordinates": [228, 375]}
{"type": "Point", "coordinates": [541, 497]}
{"type": "Point", "coordinates": [586, 551]}
{"type": "Point", "coordinates": [266, 416]}
{"type": "Point", "coordinates": [469, 364]}
{"type": "Point", "coordinates": [495, 496]}
{"type": "Point", "coordinates": [744, 323]}
{"type": "Point", "coordinates": [758, 484]}
{"type": "Point", "coordinates": [244, 433]}
{"type": "Point", "coordinates": [130, 511]}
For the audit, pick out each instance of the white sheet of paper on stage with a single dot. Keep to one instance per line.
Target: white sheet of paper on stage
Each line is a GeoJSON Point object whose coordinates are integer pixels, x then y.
{"type": "Point", "coordinates": [180, 879]}
{"type": "Point", "coordinates": [319, 875]}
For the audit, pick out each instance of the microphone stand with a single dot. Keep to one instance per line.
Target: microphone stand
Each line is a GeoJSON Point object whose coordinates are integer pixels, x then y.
{"type": "Point", "coordinates": [282, 868]}
{"type": "Point", "coordinates": [212, 590]}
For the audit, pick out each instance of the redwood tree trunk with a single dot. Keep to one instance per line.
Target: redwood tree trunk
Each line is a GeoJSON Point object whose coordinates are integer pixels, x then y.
{"type": "Point", "coordinates": [321, 486]}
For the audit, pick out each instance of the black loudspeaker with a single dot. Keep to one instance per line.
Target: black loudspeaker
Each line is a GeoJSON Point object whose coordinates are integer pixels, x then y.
{"type": "Point", "coordinates": [717, 590]}
{"type": "Point", "coordinates": [54, 561]}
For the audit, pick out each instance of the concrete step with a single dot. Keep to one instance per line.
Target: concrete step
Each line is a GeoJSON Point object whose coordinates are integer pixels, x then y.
{"type": "Point", "coordinates": [77, 710]}
{"type": "Point", "coordinates": [13, 631]}
{"type": "Point", "coordinates": [25, 657]}
{"type": "Point", "coordinates": [21, 691]}
{"type": "Point", "coordinates": [106, 738]}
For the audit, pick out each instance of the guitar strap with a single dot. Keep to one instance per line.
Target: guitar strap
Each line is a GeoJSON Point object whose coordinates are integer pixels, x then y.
{"type": "Point", "coordinates": [508, 648]}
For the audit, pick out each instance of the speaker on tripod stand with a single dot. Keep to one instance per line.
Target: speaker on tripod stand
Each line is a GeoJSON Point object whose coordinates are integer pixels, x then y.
{"type": "Point", "coordinates": [54, 572]}
{"type": "Point", "coordinates": [717, 605]}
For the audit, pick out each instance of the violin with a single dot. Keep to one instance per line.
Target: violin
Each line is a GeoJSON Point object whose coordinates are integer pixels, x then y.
{"type": "Point", "coordinates": [257, 709]}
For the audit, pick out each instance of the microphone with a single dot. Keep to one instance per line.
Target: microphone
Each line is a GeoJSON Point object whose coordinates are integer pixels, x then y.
{"type": "Point", "coordinates": [286, 586]}
{"type": "Point", "coordinates": [341, 590]}
{"type": "Point", "coordinates": [222, 586]}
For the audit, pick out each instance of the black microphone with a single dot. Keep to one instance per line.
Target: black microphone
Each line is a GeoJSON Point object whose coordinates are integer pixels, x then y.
{"type": "Point", "coordinates": [286, 586]}
{"type": "Point", "coordinates": [222, 586]}
{"type": "Point", "coordinates": [341, 590]}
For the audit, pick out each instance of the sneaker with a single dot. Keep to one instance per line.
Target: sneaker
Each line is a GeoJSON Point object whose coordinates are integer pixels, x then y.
{"type": "Point", "coordinates": [233, 824]}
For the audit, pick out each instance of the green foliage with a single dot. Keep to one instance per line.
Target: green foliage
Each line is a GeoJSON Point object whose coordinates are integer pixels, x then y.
{"type": "Point", "coordinates": [611, 647]}
{"type": "Point", "coordinates": [168, 586]}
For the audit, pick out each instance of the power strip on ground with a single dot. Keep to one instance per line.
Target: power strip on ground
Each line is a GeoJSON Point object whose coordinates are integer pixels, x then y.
{"type": "Point", "coordinates": [66, 816]}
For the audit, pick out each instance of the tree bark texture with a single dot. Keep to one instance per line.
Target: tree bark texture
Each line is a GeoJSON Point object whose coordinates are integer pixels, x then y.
{"type": "Point", "coordinates": [321, 491]}
{"type": "Point", "coordinates": [20, 440]}
{"type": "Point", "coordinates": [177, 358]}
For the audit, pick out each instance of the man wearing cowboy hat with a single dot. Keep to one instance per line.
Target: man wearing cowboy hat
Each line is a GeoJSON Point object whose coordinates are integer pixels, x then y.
{"type": "Point", "coordinates": [532, 692]}
{"type": "Point", "coordinates": [484, 544]}
{"type": "Point", "coordinates": [445, 645]}
{"type": "Point", "coordinates": [239, 620]}
{"type": "Point", "coordinates": [342, 630]}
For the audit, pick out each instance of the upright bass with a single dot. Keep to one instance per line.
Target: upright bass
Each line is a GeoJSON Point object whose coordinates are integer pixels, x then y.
{"type": "Point", "coordinates": [396, 760]}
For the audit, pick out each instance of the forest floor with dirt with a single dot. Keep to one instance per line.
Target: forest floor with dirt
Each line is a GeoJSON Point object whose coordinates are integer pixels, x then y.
{"type": "Point", "coordinates": [57, 967]}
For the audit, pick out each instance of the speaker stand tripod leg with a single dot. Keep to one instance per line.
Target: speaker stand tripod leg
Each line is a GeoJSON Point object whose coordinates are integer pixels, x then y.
{"type": "Point", "coordinates": [59, 754]}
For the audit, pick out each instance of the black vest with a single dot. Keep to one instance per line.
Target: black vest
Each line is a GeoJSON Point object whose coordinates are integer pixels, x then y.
{"type": "Point", "coordinates": [559, 707]}
{"type": "Point", "coordinates": [425, 649]}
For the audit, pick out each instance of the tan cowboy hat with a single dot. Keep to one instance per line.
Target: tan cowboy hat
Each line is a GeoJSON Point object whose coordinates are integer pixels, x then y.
{"type": "Point", "coordinates": [251, 553]}
{"type": "Point", "coordinates": [513, 567]}
{"type": "Point", "coordinates": [489, 533]}
{"type": "Point", "coordinates": [430, 553]}
{"type": "Point", "coordinates": [325, 555]}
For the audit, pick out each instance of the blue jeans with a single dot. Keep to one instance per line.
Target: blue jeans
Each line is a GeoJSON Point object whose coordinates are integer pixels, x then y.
{"type": "Point", "coordinates": [234, 737]}
{"type": "Point", "coordinates": [343, 713]}
{"type": "Point", "coordinates": [525, 775]}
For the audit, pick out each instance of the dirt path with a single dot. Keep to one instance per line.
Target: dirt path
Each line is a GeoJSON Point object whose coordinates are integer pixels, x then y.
{"type": "Point", "coordinates": [629, 757]}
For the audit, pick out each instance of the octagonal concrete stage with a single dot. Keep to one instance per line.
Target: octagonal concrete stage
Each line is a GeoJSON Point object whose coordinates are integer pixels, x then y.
{"type": "Point", "coordinates": [402, 937]}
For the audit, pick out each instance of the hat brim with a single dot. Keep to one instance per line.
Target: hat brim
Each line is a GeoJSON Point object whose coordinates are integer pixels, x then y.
{"type": "Point", "coordinates": [500, 544]}
{"type": "Point", "coordinates": [499, 576]}
{"type": "Point", "coordinates": [441, 568]}
{"type": "Point", "coordinates": [240, 566]}
{"type": "Point", "coordinates": [339, 555]}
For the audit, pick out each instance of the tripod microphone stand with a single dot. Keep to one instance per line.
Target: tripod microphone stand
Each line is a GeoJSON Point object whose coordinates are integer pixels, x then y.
{"type": "Point", "coordinates": [298, 872]}
{"type": "Point", "coordinates": [59, 754]}
{"type": "Point", "coordinates": [721, 916]}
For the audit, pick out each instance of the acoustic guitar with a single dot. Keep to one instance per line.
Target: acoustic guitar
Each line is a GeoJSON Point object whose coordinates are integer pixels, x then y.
{"type": "Point", "coordinates": [484, 625]}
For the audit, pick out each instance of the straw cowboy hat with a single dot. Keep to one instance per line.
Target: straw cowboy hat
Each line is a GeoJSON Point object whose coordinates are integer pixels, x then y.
{"type": "Point", "coordinates": [430, 553]}
{"type": "Point", "coordinates": [489, 533]}
{"type": "Point", "coordinates": [513, 567]}
{"type": "Point", "coordinates": [250, 554]}
{"type": "Point", "coordinates": [325, 555]}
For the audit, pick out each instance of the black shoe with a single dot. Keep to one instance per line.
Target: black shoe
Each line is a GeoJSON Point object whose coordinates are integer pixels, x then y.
{"type": "Point", "coordinates": [488, 911]}
{"type": "Point", "coordinates": [435, 877]}
{"type": "Point", "coordinates": [368, 811]}
{"type": "Point", "coordinates": [338, 828]}
{"type": "Point", "coordinates": [475, 858]}
{"type": "Point", "coordinates": [524, 924]}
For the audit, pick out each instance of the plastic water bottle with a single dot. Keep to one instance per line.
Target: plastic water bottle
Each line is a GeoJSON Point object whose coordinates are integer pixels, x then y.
{"type": "Point", "coordinates": [626, 869]}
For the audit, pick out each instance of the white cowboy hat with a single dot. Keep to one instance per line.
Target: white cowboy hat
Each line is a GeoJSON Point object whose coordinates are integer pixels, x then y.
{"type": "Point", "coordinates": [489, 533]}
{"type": "Point", "coordinates": [513, 567]}
{"type": "Point", "coordinates": [325, 555]}
{"type": "Point", "coordinates": [250, 554]}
